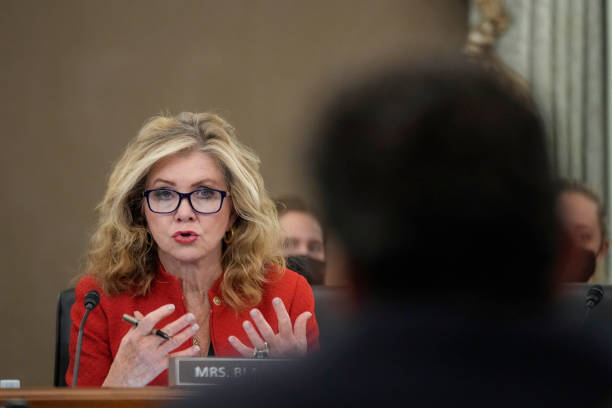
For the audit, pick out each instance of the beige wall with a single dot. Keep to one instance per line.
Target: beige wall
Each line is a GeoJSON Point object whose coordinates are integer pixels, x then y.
{"type": "Point", "coordinates": [80, 77]}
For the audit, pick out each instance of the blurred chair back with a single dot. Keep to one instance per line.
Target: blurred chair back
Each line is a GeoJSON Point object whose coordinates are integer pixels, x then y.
{"type": "Point", "coordinates": [62, 336]}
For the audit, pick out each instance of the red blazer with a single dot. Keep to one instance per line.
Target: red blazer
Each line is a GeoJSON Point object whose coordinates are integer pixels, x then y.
{"type": "Point", "coordinates": [105, 328]}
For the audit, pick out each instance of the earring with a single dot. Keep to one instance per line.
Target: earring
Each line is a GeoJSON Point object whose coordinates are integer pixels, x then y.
{"type": "Point", "coordinates": [229, 236]}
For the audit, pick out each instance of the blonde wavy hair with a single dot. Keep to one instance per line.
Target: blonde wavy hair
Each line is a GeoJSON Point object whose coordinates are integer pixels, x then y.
{"type": "Point", "coordinates": [123, 256]}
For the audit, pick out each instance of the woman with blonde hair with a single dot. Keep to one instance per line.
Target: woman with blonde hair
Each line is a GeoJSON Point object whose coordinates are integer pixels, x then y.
{"type": "Point", "coordinates": [187, 242]}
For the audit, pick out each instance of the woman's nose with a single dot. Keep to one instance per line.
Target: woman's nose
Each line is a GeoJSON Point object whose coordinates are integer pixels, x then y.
{"type": "Point", "coordinates": [184, 212]}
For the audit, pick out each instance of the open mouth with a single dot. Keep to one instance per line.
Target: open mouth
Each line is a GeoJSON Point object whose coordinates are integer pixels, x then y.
{"type": "Point", "coordinates": [185, 236]}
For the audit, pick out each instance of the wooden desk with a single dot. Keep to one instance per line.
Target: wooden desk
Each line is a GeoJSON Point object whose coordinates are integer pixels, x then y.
{"type": "Point", "coordinates": [147, 397]}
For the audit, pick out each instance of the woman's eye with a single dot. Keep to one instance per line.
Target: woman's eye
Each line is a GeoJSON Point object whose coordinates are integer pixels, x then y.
{"type": "Point", "coordinates": [163, 194]}
{"type": "Point", "coordinates": [205, 194]}
{"type": "Point", "coordinates": [290, 243]}
{"type": "Point", "coordinates": [315, 247]}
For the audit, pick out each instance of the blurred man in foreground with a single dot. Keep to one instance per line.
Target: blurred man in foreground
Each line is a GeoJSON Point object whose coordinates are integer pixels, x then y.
{"type": "Point", "coordinates": [436, 179]}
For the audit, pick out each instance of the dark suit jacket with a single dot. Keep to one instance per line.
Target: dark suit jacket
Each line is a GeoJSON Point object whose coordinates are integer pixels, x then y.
{"type": "Point", "coordinates": [424, 356]}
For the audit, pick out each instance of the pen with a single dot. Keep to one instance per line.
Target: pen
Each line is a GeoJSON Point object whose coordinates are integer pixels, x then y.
{"type": "Point", "coordinates": [134, 321]}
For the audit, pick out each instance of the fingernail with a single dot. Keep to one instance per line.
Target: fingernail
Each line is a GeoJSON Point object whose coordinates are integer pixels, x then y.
{"type": "Point", "coordinates": [231, 339]}
{"type": "Point", "coordinates": [254, 312]}
{"type": "Point", "coordinates": [190, 317]}
{"type": "Point", "coordinates": [246, 324]}
{"type": "Point", "coordinates": [195, 327]}
{"type": "Point", "coordinates": [196, 348]}
{"type": "Point", "coordinates": [276, 301]}
{"type": "Point", "coordinates": [309, 315]}
{"type": "Point", "coordinates": [170, 307]}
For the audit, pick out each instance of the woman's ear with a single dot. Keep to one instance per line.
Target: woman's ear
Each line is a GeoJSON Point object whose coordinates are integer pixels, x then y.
{"type": "Point", "coordinates": [604, 249]}
{"type": "Point", "coordinates": [143, 212]}
{"type": "Point", "coordinates": [232, 219]}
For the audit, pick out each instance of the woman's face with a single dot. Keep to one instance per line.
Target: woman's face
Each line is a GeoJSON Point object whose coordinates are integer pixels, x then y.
{"type": "Point", "coordinates": [185, 235]}
{"type": "Point", "coordinates": [580, 218]}
{"type": "Point", "coordinates": [302, 235]}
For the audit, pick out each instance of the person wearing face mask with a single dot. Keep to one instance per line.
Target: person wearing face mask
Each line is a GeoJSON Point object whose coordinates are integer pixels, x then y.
{"type": "Point", "coordinates": [583, 218]}
{"type": "Point", "coordinates": [188, 242]}
{"type": "Point", "coordinates": [303, 239]}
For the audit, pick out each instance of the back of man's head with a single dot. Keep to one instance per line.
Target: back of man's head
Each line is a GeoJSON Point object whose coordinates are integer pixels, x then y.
{"type": "Point", "coordinates": [439, 177]}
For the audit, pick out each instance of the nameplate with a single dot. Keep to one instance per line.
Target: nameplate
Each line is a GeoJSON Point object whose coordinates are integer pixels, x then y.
{"type": "Point", "coordinates": [193, 371]}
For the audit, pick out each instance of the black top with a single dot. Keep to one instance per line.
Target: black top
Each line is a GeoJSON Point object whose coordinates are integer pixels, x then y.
{"type": "Point", "coordinates": [415, 355]}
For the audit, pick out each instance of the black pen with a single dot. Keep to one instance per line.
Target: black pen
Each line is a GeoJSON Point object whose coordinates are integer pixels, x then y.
{"type": "Point", "coordinates": [134, 321]}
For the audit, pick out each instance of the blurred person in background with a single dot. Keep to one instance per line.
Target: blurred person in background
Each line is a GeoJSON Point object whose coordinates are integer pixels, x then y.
{"type": "Point", "coordinates": [584, 218]}
{"type": "Point", "coordinates": [188, 242]}
{"type": "Point", "coordinates": [303, 239]}
{"type": "Point", "coordinates": [435, 178]}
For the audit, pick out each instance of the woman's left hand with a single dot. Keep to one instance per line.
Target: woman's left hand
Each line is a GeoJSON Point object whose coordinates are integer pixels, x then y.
{"type": "Point", "coordinates": [289, 341]}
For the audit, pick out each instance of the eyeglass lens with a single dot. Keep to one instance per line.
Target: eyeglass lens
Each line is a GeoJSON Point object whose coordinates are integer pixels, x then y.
{"type": "Point", "coordinates": [204, 200]}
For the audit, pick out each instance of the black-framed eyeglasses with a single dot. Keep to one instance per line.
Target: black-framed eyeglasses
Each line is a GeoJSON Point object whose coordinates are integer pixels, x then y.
{"type": "Point", "coordinates": [203, 200]}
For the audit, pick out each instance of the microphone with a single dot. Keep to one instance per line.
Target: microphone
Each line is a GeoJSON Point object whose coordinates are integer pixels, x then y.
{"type": "Point", "coordinates": [92, 298]}
{"type": "Point", "coordinates": [594, 296]}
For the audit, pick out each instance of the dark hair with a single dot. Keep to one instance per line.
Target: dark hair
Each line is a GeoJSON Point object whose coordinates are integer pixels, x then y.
{"type": "Point", "coordinates": [290, 203]}
{"type": "Point", "coordinates": [438, 176]}
{"type": "Point", "coordinates": [294, 203]}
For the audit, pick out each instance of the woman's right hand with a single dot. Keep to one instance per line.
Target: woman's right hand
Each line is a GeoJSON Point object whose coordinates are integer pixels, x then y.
{"type": "Point", "coordinates": [142, 356]}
